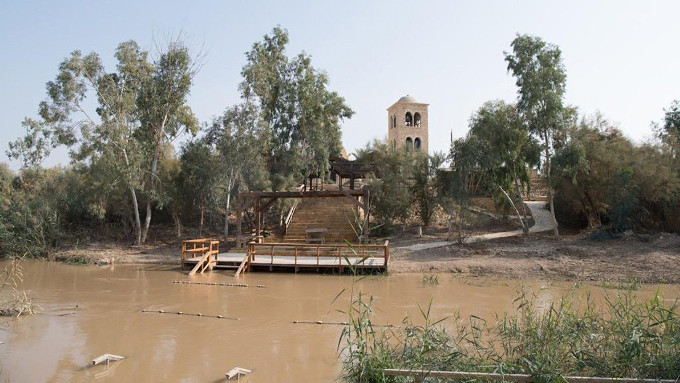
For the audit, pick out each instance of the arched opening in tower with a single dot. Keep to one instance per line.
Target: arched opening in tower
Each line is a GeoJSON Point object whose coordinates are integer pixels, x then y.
{"type": "Point", "coordinates": [416, 119]}
{"type": "Point", "coordinates": [409, 144]}
{"type": "Point", "coordinates": [408, 119]}
{"type": "Point", "coordinates": [416, 143]}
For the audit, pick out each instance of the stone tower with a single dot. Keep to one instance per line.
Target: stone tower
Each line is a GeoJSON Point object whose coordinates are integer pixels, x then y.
{"type": "Point", "coordinates": [407, 124]}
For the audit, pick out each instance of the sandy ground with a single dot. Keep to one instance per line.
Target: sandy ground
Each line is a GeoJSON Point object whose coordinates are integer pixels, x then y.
{"type": "Point", "coordinates": [648, 259]}
{"type": "Point", "coordinates": [498, 249]}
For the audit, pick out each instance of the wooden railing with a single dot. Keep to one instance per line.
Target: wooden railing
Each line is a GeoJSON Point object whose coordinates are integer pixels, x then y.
{"type": "Point", "coordinates": [354, 253]}
{"type": "Point", "coordinates": [205, 248]}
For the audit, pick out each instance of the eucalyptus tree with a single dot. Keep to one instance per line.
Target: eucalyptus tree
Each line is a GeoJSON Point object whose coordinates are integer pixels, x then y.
{"type": "Point", "coordinates": [301, 114]}
{"type": "Point", "coordinates": [506, 151]}
{"type": "Point", "coordinates": [139, 107]}
{"type": "Point", "coordinates": [541, 77]}
{"type": "Point", "coordinates": [238, 137]}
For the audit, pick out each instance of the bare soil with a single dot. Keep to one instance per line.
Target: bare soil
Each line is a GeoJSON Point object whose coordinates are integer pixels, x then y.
{"type": "Point", "coordinates": [645, 259]}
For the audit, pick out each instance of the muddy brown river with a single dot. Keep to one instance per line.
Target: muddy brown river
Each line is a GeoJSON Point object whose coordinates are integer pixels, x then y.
{"type": "Point", "coordinates": [89, 311]}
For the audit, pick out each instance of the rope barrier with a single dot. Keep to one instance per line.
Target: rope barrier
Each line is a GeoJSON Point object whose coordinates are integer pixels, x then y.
{"type": "Point", "coordinates": [218, 284]}
{"type": "Point", "coordinates": [338, 323]}
{"type": "Point", "coordinates": [189, 314]}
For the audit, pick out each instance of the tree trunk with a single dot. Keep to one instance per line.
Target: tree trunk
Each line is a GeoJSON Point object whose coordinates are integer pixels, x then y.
{"type": "Point", "coordinates": [525, 229]}
{"type": "Point", "coordinates": [178, 223]}
{"type": "Point", "coordinates": [152, 178]}
{"type": "Point", "coordinates": [200, 223]}
{"type": "Point", "coordinates": [147, 219]}
{"type": "Point", "coordinates": [550, 191]}
{"type": "Point", "coordinates": [226, 217]}
{"type": "Point", "coordinates": [525, 221]}
{"type": "Point", "coordinates": [138, 225]}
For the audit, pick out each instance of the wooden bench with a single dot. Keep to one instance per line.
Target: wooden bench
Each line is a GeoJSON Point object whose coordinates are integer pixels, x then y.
{"type": "Point", "coordinates": [316, 235]}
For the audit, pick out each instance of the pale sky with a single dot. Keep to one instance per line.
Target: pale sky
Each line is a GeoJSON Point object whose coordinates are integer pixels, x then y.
{"type": "Point", "coordinates": [622, 57]}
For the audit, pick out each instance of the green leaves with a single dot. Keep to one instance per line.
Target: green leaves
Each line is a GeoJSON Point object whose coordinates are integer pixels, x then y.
{"type": "Point", "coordinates": [301, 114]}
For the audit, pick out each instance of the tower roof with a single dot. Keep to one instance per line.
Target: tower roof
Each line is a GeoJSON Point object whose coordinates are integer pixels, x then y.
{"type": "Point", "coordinates": [409, 99]}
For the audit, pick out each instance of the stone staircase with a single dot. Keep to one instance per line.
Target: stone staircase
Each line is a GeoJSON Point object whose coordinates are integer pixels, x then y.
{"type": "Point", "coordinates": [539, 187]}
{"type": "Point", "coordinates": [332, 214]}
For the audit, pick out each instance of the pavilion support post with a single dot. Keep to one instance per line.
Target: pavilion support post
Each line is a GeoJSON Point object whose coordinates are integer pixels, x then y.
{"type": "Point", "coordinates": [258, 219]}
{"type": "Point", "coordinates": [239, 237]}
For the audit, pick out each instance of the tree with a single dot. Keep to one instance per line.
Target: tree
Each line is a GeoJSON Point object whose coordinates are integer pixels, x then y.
{"type": "Point", "coordinates": [390, 188]}
{"type": "Point", "coordinates": [141, 107]}
{"type": "Point", "coordinates": [607, 182]}
{"type": "Point", "coordinates": [424, 187]}
{"type": "Point", "coordinates": [459, 182]}
{"type": "Point", "coordinates": [238, 136]}
{"type": "Point", "coordinates": [506, 151]}
{"type": "Point", "coordinates": [163, 111]}
{"type": "Point", "coordinates": [199, 176]}
{"type": "Point", "coordinates": [302, 116]}
{"type": "Point", "coordinates": [541, 78]}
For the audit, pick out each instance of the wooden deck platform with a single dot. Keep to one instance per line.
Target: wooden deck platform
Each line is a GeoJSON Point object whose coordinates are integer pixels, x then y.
{"type": "Point", "coordinates": [297, 256]}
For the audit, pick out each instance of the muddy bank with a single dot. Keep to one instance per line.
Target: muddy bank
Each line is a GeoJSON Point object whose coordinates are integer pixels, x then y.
{"type": "Point", "coordinates": [654, 259]}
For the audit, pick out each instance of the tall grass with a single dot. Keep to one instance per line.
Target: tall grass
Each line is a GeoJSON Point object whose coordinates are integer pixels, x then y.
{"type": "Point", "coordinates": [18, 303]}
{"type": "Point", "coordinates": [624, 337]}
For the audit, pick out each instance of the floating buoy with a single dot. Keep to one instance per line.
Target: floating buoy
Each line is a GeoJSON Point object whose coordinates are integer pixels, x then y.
{"type": "Point", "coordinates": [107, 358]}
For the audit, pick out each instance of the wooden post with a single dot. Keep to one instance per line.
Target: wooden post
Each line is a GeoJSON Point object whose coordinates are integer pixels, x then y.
{"type": "Point", "coordinates": [257, 218]}
{"type": "Point", "coordinates": [239, 238]}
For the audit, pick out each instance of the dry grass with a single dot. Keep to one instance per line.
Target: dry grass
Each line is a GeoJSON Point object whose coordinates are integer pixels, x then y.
{"type": "Point", "coordinates": [19, 302]}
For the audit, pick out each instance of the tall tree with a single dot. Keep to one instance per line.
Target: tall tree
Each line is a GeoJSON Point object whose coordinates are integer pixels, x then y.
{"type": "Point", "coordinates": [239, 135]}
{"type": "Point", "coordinates": [163, 111]}
{"type": "Point", "coordinates": [541, 77]}
{"type": "Point", "coordinates": [301, 114]}
{"type": "Point", "coordinates": [140, 106]}
{"type": "Point", "coordinates": [507, 151]}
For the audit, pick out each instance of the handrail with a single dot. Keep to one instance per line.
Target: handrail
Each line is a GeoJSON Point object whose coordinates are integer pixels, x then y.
{"type": "Point", "coordinates": [298, 250]}
{"type": "Point", "coordinates": [333, 245]}
{"type": "Point", "coordinates": [289, 218]}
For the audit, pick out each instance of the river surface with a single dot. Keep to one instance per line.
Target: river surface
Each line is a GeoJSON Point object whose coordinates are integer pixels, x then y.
{"type": "Point", "coordinates": [89, 311]}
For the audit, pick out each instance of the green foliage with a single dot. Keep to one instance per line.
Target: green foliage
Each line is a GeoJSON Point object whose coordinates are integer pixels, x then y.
{"type": "Point", "coordinates": [36, 211]}
{"type": "Point", "coordinates": [541, 80]}
{"type": "Point", "coordinates": [605, 180]}
{"type": "Point", "coordinates": [391, 200]}
{"type": "Point", "coordinates": [301, 114]}
{"type": "Point", "coordinates": [405, 183]}
{"type": "Point", "coordinates": [141, 107]}
{"type": "Point", "coordinates": [625, 337]}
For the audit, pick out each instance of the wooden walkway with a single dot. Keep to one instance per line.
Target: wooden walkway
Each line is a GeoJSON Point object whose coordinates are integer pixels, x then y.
{"type": "Point", "coordinates": [297, 256]}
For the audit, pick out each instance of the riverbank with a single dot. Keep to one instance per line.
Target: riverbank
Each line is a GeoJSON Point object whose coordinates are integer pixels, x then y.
{"type": "Point", "coordinates": [648, 259]}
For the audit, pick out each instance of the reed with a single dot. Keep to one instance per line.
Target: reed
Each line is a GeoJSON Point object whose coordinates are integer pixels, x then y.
{"type": "Point", "coordinates": [623, 337]}
{"type": "Point", "coordinates": [18, 303]}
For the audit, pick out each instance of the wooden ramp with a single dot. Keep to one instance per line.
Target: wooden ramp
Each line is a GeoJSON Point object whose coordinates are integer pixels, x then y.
{"type": "Point", "coordinates": [222, 261]}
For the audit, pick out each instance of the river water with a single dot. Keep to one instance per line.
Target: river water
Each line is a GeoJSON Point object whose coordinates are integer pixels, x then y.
{"type": "Point", "coordinates": [88, 311]}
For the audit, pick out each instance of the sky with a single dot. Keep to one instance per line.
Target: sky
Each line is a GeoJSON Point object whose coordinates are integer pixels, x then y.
{"type": "Point", "coordinates": [621, 57]}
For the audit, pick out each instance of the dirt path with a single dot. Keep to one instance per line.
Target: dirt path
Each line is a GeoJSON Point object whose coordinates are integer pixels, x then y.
{"type": "Point", "coordinates": [542, 222]}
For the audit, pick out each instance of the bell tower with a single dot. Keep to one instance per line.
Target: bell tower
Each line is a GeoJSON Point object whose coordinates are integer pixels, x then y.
{"type": "Point", "coordinates": [407, 124]}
